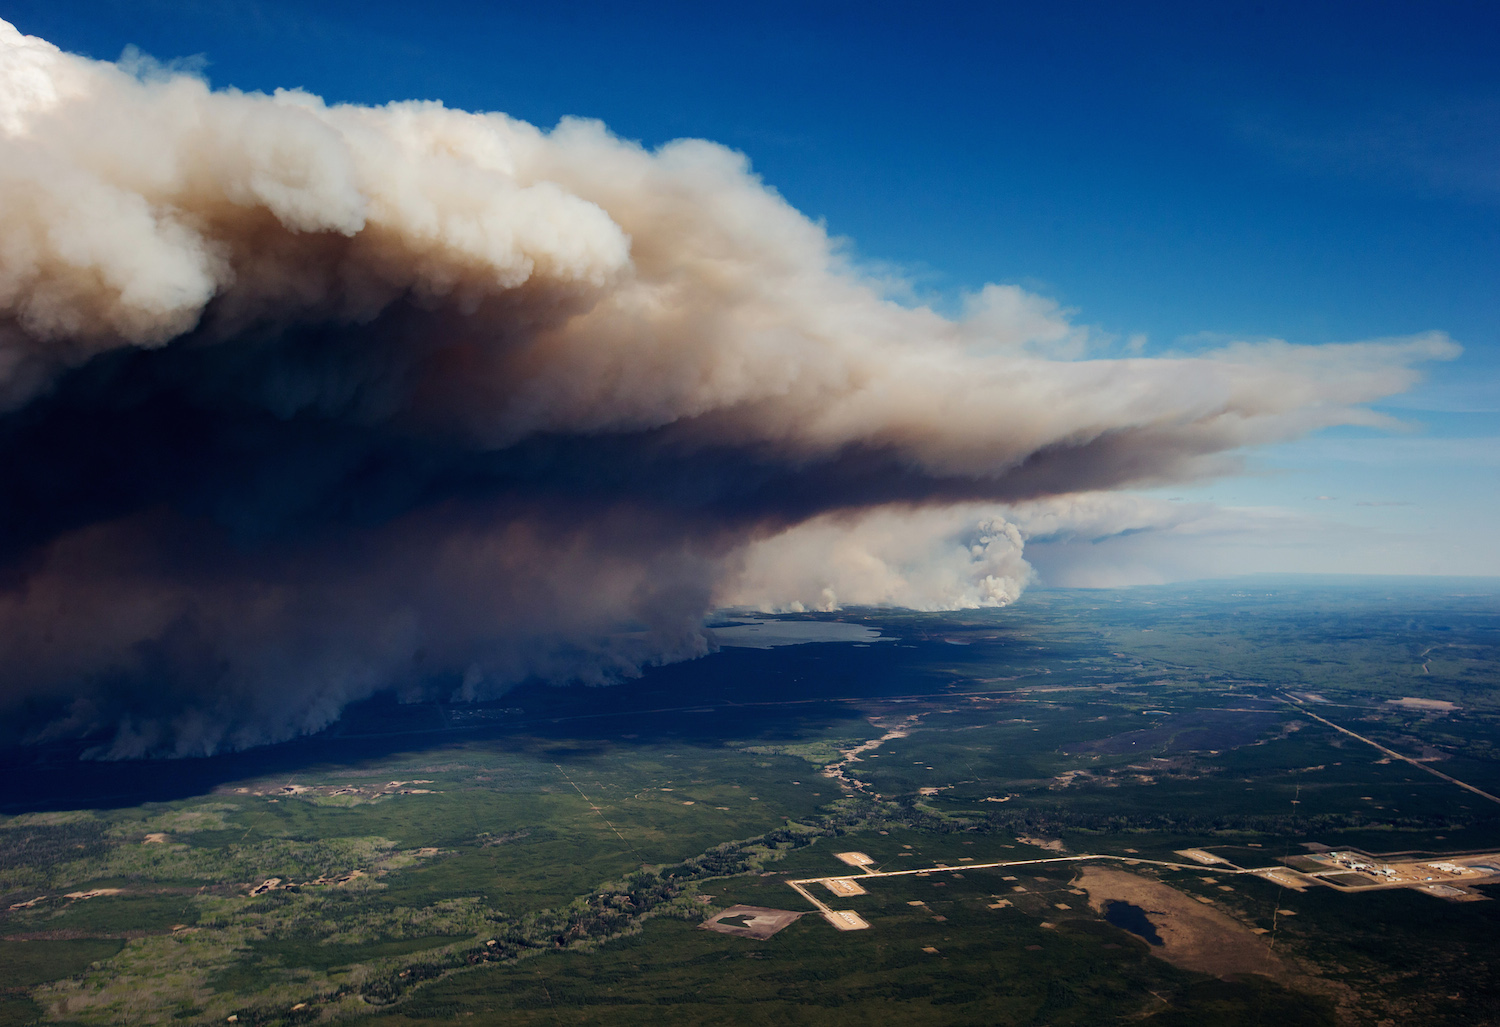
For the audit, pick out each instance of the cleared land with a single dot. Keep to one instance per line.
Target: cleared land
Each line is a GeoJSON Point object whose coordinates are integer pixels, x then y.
{"type": "Point", "coordinates": [843, 886]}
{"type": "Point", "coordinates": [1194, 935]}
{"type": "Point", "coordinates": [756, 922]}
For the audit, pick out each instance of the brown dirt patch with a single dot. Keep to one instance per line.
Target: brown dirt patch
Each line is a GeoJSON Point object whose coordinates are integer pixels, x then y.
{"type": "Point", "coordinates": [1194, 936]}
{"type": "Point", "coordinates": [756, 922]}
{"type": "Point", "coordinates": [1049, 844]}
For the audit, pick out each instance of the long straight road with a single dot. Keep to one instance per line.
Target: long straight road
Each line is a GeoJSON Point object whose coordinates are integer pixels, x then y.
{"type": "Point", "coordinates": [846, 920]}
{"type": "Point", "coordinates": [1393, 754]}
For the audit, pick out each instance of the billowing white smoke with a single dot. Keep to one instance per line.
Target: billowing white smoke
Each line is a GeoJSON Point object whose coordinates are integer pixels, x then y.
{"type": "Point", "coordinates": [299, 402]}
{"type": "Point", "coordinates": [950, 558]}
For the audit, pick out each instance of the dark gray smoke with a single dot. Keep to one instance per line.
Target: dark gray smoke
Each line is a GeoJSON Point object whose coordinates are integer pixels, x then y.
{"type": "Point", "coordinates": [299, 403]}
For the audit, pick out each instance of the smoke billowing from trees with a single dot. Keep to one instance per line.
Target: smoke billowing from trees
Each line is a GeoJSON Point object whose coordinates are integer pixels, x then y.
{"type": "Point", "coordinates": [300, 402]}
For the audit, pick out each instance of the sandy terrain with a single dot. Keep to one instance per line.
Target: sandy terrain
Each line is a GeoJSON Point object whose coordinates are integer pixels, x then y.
{"type": "Point", "coordinates": [756, 922]}
{"type": "Point", "coordinates": [1194, 936]}
{"type": "Point", "coordinates": [1049, 844]}
{"type": "Point", "coordinates": [1436, 705]}
{"type": "Point", "coordinates": [92, 893]}
{"type": "Point", "coordinates": [900, 729]}
{"type": "Point", "coordinates": [843, 886]}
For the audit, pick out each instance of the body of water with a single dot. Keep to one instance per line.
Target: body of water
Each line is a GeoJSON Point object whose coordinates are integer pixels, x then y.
{"type": "Point", "coordinates": [1132, 918]}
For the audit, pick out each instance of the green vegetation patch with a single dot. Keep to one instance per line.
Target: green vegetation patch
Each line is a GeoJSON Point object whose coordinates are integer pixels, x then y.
{"type": "Point", "coordinates": [25, 963]}
{"type": "Point", "coordinates": [17, 1011]}
{"type": "Point", "coordinates": [317, 954]}
{"type": "Point", "coordinates": [984, 968]}
{"type": "Point", "coordinates": [820, 753]}
{"type": "Point", "coordinates": [1246, 1002]}
{"type": "Point", "coordinates": [556, 869]}
{"type": "Point", "coordinates": [117, 915]}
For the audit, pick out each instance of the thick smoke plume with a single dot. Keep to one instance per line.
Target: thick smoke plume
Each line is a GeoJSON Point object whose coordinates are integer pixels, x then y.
{"type": "Point", "coordinates": [299, 402]}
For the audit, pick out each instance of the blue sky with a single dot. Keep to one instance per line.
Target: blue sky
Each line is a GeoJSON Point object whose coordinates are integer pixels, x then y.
{"type": "Point", "coordinates": [1187, 172]}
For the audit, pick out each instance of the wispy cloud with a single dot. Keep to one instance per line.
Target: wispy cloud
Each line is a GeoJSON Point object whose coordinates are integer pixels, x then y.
{"type": "Point", "coordinates": [1449, 146]}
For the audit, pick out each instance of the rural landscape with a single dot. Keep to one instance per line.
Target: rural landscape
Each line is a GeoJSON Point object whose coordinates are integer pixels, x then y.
{"type": "Point", "coordinates": [800, 514]}
{"type": "Point", "coordinates": [1265, 800]}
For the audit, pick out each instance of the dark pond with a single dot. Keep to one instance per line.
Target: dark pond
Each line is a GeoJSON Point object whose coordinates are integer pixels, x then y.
{"type": "Point", "coordinates": [1133, 919]}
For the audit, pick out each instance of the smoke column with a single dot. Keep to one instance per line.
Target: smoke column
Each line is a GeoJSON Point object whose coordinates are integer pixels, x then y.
{"type": "Point", "coordinates": [301, 402]}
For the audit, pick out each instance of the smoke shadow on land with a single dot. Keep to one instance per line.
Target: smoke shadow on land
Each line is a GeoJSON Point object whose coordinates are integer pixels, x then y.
{"type": "Point", "coordinates": [736, 694]}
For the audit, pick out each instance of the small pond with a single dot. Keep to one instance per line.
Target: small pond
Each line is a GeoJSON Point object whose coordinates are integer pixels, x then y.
{"type": "Point", "coordinates": [1133, 919]}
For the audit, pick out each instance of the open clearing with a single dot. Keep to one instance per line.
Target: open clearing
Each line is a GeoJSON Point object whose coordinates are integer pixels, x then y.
{"type": "Point", "coordinates": [758, 922]}
{"type": "Point", "coordinates": [1193, 935]}
{"type": "Point", "coordinates": [843, 886]}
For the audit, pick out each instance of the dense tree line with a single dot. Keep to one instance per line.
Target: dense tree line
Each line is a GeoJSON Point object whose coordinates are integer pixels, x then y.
{"type": "Point", "coordinates": [45, 845]}
{"type": "Point", "coordinates": [1058, 819]}
{"type": "Point", "coordinates": [618, 909]}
